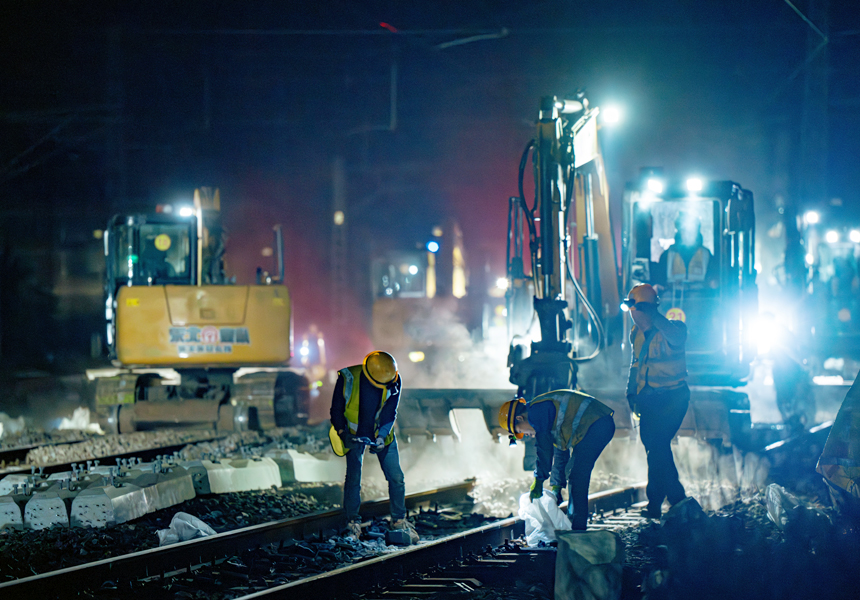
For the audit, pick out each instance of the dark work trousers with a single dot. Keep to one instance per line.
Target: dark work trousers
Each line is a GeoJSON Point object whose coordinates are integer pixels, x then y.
{"type": "Point", "coordinates": [578, 471]}
{"type": "Point", "coordinates": [389, 460]}
{"type": "Point", "coordinates": [661, 415]}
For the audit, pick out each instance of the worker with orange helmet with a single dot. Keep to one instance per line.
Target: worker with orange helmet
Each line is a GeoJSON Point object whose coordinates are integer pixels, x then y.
{"type": "Point", "coordinates": [363, 410]}
{"type": "Point", "coordinates": [657, 391]}
{"type": "Point", "coordinates": [561, 421]}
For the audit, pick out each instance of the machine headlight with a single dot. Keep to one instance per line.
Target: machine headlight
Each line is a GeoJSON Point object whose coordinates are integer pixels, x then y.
{"type": "Point", "coordinates": [832, 236]}
{"type": "Point", "coordinates": [694, 184]}
{"type": "Point", "coordinates": [811, 217]}
{"type": "Point", "coordinates": [416, 356]}
{"type": "Point", "coordinates": [654, 185]}
{"type": "Point", "coordinates": [854, 236]}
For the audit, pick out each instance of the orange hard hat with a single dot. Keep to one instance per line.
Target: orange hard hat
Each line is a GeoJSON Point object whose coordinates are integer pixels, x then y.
{"type": "Point", "coordinates": [380, 368]}
{"type": "Point", "coordinates": [508, 415]}
{"type": "Point", "coordinates": [644, 292]}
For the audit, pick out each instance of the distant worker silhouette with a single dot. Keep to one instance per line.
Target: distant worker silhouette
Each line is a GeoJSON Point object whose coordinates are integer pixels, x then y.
{"type": "Point", "coordinates": [687, 260]}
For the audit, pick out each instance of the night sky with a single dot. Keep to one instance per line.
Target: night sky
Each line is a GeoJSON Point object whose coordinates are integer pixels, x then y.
{"type": "Point", "coordinates": [109, 107]}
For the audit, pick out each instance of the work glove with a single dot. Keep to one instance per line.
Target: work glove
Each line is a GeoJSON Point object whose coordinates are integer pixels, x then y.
{"type": "Point", "coordinates": [378, 446]}
{"type": "Point", "coordinates": [556, 489]}
{"type": "Point", "coordinates": [536, 489]}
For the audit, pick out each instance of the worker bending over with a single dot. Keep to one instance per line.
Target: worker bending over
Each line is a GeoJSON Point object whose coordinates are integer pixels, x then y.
{"type": "Point", "coordinates": [562, 421]}
{"type": "Point", "coordinates": [363, 410]}
{"type": "Point", "coordinates": [657, 392]}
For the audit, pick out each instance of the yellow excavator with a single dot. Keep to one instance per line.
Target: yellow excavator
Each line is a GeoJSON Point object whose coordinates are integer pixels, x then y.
{"type": "Point", "coordinates": [189, 347]}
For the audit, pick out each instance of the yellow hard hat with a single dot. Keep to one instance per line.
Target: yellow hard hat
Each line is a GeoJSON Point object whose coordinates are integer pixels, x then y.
{"type": "Point", "coordinates": [380, 368]}
{"type": "Point", "coordinates": [644, 292]}
{"type": "Point", "coordinates": [508, 415]}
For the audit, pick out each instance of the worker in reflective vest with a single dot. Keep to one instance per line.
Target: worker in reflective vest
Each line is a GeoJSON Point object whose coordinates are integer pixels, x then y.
{"type": "Point", "coordinates": [657, 392]}
{"type": "Point", "coordinates": [363, 410]}
{"type": "Point", "coordinates": [687, 260]}
{"type": "Point", "coordinates": [562, 421]}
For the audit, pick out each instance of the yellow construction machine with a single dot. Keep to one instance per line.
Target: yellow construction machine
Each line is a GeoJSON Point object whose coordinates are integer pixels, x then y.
{"type": "Point", "coordinates": [189, 347]}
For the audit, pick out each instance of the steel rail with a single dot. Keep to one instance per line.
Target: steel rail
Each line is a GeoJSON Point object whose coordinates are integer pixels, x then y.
{"type": "Point", "coordinates": [378, 571]}
{"type": "Point", "coordinates": [158, 561]}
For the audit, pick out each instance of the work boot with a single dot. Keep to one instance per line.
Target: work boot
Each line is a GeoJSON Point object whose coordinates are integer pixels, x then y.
{"type": "Point", "coordinates": [405, 525]}
{"type": "Point", "coordinates": [353, 530]}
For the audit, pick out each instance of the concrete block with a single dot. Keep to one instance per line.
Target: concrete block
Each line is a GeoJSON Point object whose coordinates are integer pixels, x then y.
{"type": "Point", "coordinates": [163, 490]}
{"type": "Point", "coordinates": [11, 515]}
{"type": "Point", "coordinates": [47, 509]}
{"type": "Point", "coordinates": [8, 483]}
{"type": "Point", "coordinates": [241, 474]}
{"type": "Point", "coordinates": [588, 565]}
{"type": "Point", "coordinates": [108, 505]}
{"type": "Point", "coordinates": [317, 467]}
{"type": "Point", "coordinates": [199, 476]}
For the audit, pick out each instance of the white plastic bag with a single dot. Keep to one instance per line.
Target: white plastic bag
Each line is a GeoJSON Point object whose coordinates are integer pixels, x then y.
{"type": "Point", "coordinates": [542, 517]}
{"type": "Point", "coordinates": [183, 527]}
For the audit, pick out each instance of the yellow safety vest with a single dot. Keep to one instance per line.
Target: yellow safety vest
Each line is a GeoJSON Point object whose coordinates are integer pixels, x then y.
{"type": "Point", "coordinates": [839, 463]}
{"type": "Point", "coordinates": [661, 366]}
{"type": "Point", "coordinates": [351, 378]}
{"type": "Point", "coordinates": [695, 271]}
{"type": "Point", "coordinates": [575, 412]}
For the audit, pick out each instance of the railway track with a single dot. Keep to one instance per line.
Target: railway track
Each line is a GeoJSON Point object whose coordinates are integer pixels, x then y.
{"type": "Point", "coordinates": [191, 555]}
{"type": "Point", "coordinates": [266, 560]}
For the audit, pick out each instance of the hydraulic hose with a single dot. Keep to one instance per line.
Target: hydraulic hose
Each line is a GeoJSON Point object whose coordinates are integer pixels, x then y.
{"type": "Point", "coordinates": [595, 318]}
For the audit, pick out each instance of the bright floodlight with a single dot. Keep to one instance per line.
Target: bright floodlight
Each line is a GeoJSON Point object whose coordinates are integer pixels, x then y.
{"type": "Point", "coordinates": [502, 283]}
{"type": "Point", "coordinates": [811, 217]}
{"type": "Point", "coordinates": [612, 115]}
{"type": "Point", "coordinates": [694, 184]}
{"type": "Point", "coordinates": [433, 246]}
{"type": "Point", "coordinates": [413, 269]}
{"type": "Point", "coordinates": [654, 185]}
{"type": "Point", "coordinates": [186, 211]}
{"type": "Point", "coordinates": [809, 258]}
{"type": "Point", "coordinates": [339, 217]}
{"type": "Point", "coordinates": [854, 236]}
{"type": "Point", "coordinates": [832, 236]}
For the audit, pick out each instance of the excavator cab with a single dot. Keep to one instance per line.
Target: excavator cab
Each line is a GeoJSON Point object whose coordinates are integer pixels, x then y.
{"type": "Point", "coordinates": [156, 249]}
{"type": "Point", "coordinates": [694, 241]}
{"type": "Point", "coordinates": [832, 312]}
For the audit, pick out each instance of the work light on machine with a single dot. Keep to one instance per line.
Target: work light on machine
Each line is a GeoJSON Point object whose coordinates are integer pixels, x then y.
{"type": "Point", "coordinates": [186, 211]}
{"type": "Point", "coordinates": [811, 217]}
{"type": "Point", "coordinates": [854, 236]}
{"type": "Point", "coordinates": [502, 283]}
{"type": "Point", "coordinates": [612, 114]}
{"type": "Point", "coordinates": [433, 246]}
{"type": "Point", "coordinates": [695, 184]}
{"type": "Point", "coordinates": [832, 236]}
{"type": "Point", "coordinates": [654, 185]}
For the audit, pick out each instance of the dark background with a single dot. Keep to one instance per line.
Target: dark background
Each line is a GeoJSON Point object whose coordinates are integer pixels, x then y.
{"type": "Point", "coordinates": [118, 106]}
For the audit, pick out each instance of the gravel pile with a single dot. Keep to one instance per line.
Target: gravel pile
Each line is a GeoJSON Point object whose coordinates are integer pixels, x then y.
{"type": "Point", "coordinates": [110, 445]}
{"type": "Point", "coordinates": [33, 437]}
{"type": "Point", "coordinates": [739, 553]}
{"type": "Point", "coordinates": [28, 552]}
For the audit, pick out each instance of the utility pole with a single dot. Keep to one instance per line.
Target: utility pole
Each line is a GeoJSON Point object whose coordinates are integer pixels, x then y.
{"type": "Point", "coordinates": [339, 283]}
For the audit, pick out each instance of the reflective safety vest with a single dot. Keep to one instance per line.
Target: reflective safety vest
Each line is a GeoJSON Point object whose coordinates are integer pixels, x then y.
{"type": "Point", "coordinates": [658, 365]}
{"type": "Point", "coordinates": [575, 412]}
{"type": "Point", "coordinates": [839, 463]}
{"type": "Point", "coordinates": [351, 391]}
{"type": "Point", "coordinates": [694, 271]}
